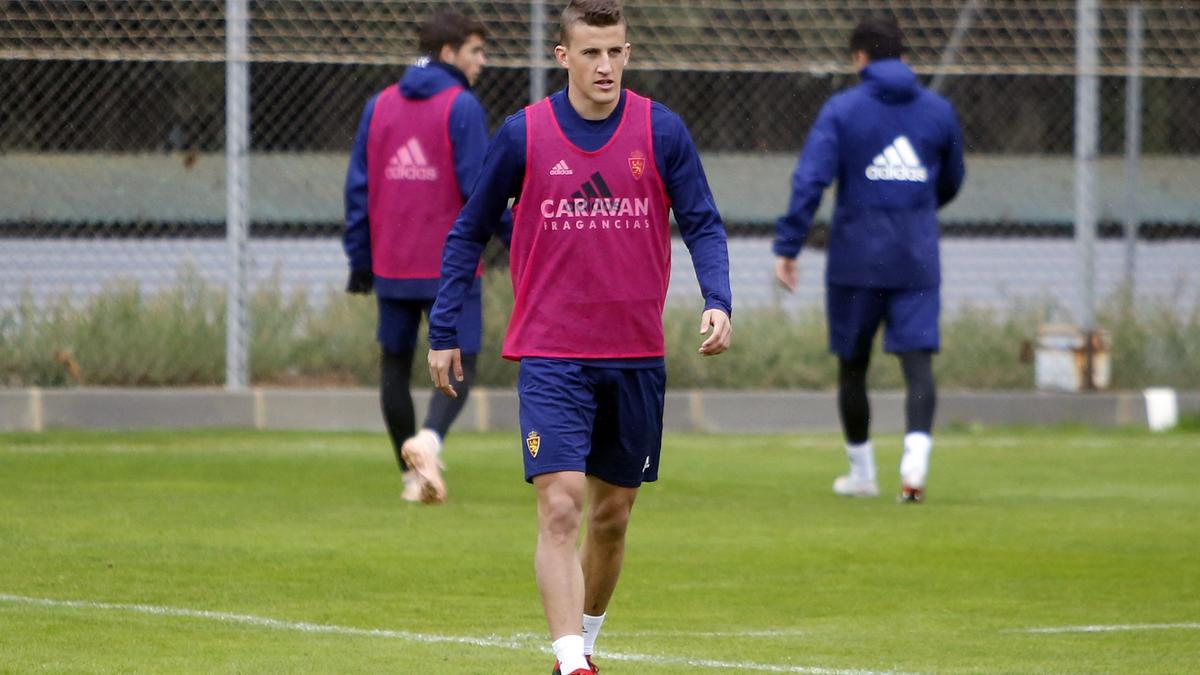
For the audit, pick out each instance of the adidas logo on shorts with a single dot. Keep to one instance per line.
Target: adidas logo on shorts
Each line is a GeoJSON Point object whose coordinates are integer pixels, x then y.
{"type": "Point", "coordinates": [561, 169]}
{"type": "Point", "coordinates": [898, 162]}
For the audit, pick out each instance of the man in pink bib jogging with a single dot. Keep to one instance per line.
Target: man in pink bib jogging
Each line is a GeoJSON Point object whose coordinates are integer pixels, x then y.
{"type": "Point", "coordinates": [596, 170]}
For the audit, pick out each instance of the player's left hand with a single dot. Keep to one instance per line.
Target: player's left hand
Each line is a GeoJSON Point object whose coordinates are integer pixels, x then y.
{"type": "Point", "coordinates": [360, 282]}
{"type": "Point", "coordinates": [721, 334]}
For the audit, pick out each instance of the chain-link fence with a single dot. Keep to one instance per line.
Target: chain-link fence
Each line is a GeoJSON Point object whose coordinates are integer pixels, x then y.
{"type": "Point", "coordinates": [113, 131]}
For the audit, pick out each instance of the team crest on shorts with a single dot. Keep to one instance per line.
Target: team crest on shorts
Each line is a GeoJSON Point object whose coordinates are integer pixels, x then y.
{"type": "Point", "coordinates": [637, 164]}
{"type": "Point", "coordinates": [533, 441]}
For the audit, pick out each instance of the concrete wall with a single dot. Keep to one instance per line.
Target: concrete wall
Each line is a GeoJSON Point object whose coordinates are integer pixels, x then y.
{"type": "Point", "coordinates": [17, 408]}
{"type": "Point", "coordinates": [496, 409]}
{"type": "Point", "coordinates": [750, 187]}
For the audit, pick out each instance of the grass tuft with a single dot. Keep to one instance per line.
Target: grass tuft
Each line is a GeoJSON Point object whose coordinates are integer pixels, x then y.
{"type": "Point", "coordinates": [122, 337]}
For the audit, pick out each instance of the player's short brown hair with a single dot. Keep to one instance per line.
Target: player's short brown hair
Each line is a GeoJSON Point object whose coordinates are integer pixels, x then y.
{"type": "Point", "coordinates": [591, 12]}
{"type": "Point", "coordinates": [447, 27]}
{"type": "Point", "coordinates": [879, 36]}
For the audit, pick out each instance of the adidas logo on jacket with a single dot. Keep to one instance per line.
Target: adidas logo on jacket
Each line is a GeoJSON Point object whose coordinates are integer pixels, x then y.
{"type": "Point", "coordinates": [898, 161]}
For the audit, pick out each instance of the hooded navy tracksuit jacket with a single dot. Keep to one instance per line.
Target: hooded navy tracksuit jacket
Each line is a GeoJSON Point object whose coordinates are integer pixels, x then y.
{"type": "Point", "coordinates": [896, 152]}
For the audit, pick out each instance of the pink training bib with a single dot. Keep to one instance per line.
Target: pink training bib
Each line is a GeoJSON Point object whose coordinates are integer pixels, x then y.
{"type": "Point", "coordinates": [413, 194]}
{"type": "Point", "coordinates": [591, 245]}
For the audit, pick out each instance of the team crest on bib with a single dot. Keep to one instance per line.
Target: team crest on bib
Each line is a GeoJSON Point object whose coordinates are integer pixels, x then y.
{"type": "Point", "coordinates": [637, 164]}
{"type": "Point", "coordinates": [533, 441]}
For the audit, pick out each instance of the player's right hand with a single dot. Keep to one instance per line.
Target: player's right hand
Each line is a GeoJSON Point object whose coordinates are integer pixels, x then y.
{"type": "Point", "coordinates": [787, 273]}
{"type": "Point", "coordinates": [441, 363]}
{"type": "Point", "coordinates": [360, 282]}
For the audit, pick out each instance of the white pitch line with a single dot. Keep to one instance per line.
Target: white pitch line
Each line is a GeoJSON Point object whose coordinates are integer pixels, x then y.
{"type": "Point", "coordinates": [518, 642]}
{"type": "Point", "coordinates": [1115, 628]}
{"type": "Point", "coordinates": [617, 634]}
{"type": "Point", "coordinates": [742, 666]}
{"type": "Point", "coordinates": [775, 633]}
{"type": "Point", "coordinates": [262, 622]}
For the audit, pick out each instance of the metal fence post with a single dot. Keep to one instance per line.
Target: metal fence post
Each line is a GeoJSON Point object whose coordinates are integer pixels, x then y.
{"type": "Point", "coordinates": [537, 59]}
{"type": "Point", "coordinates": [237, 136]}
{"type": "Point", "coordinates": [965, 17]}
{"type": "Point", "coordinates": [1087, 132]}
{"type": "Point", "coordinates": [1133, 140]}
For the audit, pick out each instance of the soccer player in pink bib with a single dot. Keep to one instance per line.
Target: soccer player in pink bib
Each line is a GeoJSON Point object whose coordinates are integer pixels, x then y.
{"type": "Point", "coordinates": [596, 170]}
{"type": "Point", "coordinates": [419, 147]}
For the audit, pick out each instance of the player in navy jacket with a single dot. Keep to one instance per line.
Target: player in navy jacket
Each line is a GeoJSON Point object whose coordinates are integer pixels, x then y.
{"type": "Point", "coordinates": [896, 152]}
{"type": "Point", "coordinates": [416, 155]}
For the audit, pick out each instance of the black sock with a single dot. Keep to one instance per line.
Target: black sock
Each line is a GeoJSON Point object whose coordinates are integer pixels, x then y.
{"type": "Point", "coordinates": [396, 399]}
{"type": "Point", "coordinates": [921, 398]}
{"type": "Point", "coordinates": [442, 409]}
{"type": "Point", "coordinates": [853, 405]}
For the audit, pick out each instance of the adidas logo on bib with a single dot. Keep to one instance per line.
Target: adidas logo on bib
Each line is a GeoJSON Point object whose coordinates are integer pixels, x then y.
{"type": "Point", "coordinates": [409, 163]}
{"type": "Point", "coordinates": [561, 169]}
{"type": "Point", "coordinates": [899, 162]}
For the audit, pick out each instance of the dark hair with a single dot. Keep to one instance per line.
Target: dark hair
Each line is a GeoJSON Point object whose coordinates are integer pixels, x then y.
{"type": "Point", "coordinates": [447, 27]}
{"type": "Point", "coordinates": [879, 36]}
{"type": "Point", "coordinates": [591, 12]}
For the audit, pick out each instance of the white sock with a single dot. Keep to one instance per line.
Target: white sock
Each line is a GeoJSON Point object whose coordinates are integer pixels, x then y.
{"type": "Point", "coordinates": [433, 436]}
{"type": "Point", "coordinates": [862, 460]}
{"type": "Point", "coordinates": [591, 629]}
{"type": "Point", "coordinates": [568, 649]}
{"type": "Point", "coordinates": [914, 465]}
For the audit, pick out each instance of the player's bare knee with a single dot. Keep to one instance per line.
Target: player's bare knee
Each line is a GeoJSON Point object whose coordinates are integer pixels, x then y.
{"type": "Point", "coordinates": [559, 515]}
{"type": "Point", "coordinates": [608, 521]}
{"type": "Point", "coordinates": [609, 525]}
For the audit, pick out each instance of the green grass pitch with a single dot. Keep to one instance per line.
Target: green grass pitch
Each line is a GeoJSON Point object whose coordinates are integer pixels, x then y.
{"type": "Point", "coordinates": [291, 552]}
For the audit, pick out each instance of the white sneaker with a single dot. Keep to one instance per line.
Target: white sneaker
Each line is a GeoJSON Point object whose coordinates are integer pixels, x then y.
{"type": "Point", "coordinates": [851, 486]}
{"type": "Point", "coordinates": [412, 487]}
{"type": "Point", "coordinates": [420, 453]}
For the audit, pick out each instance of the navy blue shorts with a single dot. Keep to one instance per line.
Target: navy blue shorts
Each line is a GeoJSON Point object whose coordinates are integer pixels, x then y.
{"type": "Point", "coordinates": [910, 316]}
{"type": "Point", "coordinates": [605, 422]}
{"type": "Point", "coordinates": [400, 319]}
